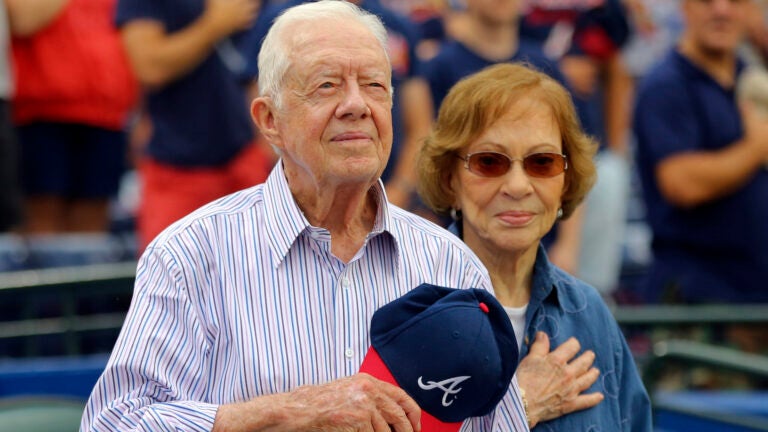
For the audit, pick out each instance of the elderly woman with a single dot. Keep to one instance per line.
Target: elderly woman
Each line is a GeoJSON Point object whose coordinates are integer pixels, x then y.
{"type": "Point", "coordinates": [506, 159]}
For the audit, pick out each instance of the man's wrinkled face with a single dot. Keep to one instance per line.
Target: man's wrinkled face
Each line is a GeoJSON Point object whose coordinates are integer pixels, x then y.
{"type": "Point", "coordinates": [335, 122]}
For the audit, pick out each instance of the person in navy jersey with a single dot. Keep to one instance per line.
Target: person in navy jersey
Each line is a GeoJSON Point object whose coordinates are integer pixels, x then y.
{"type": "Point", "coordinates": [411, 114]}
{"type": "Point", "coordinates": [702, 157]}
{"type": "Point", "coordinates": [202, 144]}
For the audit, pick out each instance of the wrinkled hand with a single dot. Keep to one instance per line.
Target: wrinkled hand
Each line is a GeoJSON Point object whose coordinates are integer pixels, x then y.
{"type": "Point", "coordinates": [554, 381]}
{"type": "Point", "coordinates": [356, 403]}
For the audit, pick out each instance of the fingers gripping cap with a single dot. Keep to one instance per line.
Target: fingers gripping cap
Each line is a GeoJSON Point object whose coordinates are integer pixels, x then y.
{"type": "Point", "coordinates": [452, 350]}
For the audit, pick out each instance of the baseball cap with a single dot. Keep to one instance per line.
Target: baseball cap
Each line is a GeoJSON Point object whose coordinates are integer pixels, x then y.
{"type": "Point", "coordinates": [452, 350]}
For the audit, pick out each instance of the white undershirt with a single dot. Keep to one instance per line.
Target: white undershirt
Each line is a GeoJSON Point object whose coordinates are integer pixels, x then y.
{"type": "Point", "coordinates": [517, 316]}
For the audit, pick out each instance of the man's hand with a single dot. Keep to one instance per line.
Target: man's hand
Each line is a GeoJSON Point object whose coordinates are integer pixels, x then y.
{"type": "Point", "coordinates": [359, 402]}
{"type": "Point", "coordinates": [554, 381]}
{"type": "Point", "coordinates": [229, 16]}
{"type": "Point", "coordinates": [752, 94]}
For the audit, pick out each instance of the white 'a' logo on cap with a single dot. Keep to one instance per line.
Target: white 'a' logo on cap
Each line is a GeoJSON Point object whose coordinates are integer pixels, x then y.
{"type": "Point", "coordinates": [448, 386]}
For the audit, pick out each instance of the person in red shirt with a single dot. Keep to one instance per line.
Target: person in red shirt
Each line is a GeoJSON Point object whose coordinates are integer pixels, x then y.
{"type": "Point", "coordinates": [74, 96]}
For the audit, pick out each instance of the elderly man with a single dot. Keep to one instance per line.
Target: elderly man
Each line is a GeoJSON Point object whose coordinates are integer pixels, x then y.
{"type": "Point", "coordinates": [253, 312]}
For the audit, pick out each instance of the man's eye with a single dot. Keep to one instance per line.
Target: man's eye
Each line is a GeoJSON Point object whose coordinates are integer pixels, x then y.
{"type": "Point", "coordinates": [326, 85]}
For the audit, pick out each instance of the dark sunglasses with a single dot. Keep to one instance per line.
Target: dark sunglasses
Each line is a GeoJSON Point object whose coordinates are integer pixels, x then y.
{"type": "Point", "coordinates": [492, 164]}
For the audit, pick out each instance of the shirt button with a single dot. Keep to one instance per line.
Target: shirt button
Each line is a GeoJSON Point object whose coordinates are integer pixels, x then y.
{"type": "Point", "coordinates": [345, 282]}
{"type": "Point", "coordinates": [349, 353]}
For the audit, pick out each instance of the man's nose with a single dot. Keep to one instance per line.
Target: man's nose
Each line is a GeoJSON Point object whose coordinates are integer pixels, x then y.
{"type": "Point", "coordinates": [353, 103]}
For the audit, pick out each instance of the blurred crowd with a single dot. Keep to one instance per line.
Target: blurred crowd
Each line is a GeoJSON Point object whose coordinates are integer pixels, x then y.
{"type": "Point", "coordinates": [138, 111]}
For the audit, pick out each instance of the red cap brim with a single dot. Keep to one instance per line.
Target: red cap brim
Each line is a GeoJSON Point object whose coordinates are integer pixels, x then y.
{"type": "Point", "coordinates": [373, 365]}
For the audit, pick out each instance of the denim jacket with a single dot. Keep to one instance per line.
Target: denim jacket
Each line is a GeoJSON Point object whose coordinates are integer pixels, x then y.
{"type": "Point", "coordinates": [562, 306]}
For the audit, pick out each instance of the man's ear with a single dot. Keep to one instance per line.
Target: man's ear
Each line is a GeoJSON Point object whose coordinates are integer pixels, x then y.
{"type": "Point", "coordinates": [263, 114]}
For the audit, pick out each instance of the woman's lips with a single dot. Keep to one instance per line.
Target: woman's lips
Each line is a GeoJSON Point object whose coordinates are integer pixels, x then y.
{"type": "Point", "coordinates": [516, 217]}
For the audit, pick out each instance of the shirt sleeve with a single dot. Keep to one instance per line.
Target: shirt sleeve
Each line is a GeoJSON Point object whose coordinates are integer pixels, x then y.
{"type": "Point", "coordinates": [634, 403]}
{"type": "Point", "coordinates": [128, 10]}
{"type": "Point", "coordinates": [156, 377]}
{"type": "Point", "coordinates": [665, 121]}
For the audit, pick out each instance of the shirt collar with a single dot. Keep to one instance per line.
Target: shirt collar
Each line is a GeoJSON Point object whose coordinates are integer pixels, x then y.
{"type": "Point", "coordinates": [693, 72]}
{"type": "Point", "coordinates": [285, 221]}
{"type": "Point", "coordinates": [547, 282]}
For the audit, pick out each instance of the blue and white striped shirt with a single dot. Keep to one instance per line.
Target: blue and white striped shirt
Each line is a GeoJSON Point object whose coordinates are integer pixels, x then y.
{"type": "Point", "coordinates": [243, 298]}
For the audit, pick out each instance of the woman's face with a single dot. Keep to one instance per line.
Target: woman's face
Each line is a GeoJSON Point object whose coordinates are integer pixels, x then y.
{"type": "Point", "coordinates": [509, 214]}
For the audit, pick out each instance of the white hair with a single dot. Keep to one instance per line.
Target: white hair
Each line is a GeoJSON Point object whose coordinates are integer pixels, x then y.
{"type": "Point", "coordinates": [274, 57]}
